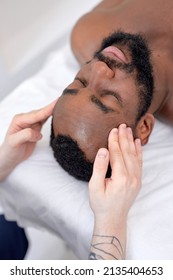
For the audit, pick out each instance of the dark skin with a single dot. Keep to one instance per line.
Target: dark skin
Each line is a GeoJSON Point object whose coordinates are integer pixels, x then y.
{"type": "Point", "coordinates": [76, 115]}
{"type": "Point", "coordinates": [90, 107]}
{"type": "Point", "coordinates": [151, 17]}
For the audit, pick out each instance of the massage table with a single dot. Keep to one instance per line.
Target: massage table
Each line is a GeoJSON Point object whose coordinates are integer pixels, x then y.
{"type": "Point", "coordinates": [40, 194]}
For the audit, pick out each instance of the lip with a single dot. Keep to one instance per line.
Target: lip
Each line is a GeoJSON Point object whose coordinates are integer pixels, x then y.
{"type": "Point", "coordinates": [113, 51]}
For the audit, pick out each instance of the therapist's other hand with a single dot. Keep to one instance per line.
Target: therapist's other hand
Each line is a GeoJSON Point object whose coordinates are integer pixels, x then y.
{"type": "Point", "coordinates": [21, 138]}
{"type": "Point", "coordinates": [111, 198]}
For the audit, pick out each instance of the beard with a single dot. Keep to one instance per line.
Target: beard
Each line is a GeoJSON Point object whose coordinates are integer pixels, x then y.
{"type": "Point", "coordinates": [140, 54]}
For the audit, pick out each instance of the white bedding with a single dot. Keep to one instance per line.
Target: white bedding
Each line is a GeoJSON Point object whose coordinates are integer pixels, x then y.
{"type": "Point", "coordinates": [40, 194]}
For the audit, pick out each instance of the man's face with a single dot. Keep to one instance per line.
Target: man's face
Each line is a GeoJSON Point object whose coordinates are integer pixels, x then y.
{"type": "Point", "coordinates": [104, 94]}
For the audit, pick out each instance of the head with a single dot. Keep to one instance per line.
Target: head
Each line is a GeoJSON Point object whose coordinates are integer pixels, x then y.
{"type": "Point", "coordinates": [115, 87]}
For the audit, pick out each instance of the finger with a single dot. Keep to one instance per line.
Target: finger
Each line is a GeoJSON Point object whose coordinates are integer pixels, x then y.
{"type": "Point", "coordinates": [131, 143]}
{"type": "Point", "coordinates": [123, 138]}
{"type": "Point", "coordinates": [45, 112]}
{"type": "Point", "coordinates": [128, 149]}
{"type": "Point", "coordinates": [138, 146]}
{"type": "Point", "coordinates": [24, 136]}
{"type": "Point", "coordinates": [100, 167]}
{"type": "Point", "coordinates": [26, 120]}
{"type": "Point", "coordinates": [116, 159]}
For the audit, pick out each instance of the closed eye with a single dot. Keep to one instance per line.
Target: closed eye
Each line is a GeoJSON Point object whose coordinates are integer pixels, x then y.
{"type": "Point", "coordinates": [82, 81]}
{"type": "Point", "coordinates": [114, 94]}
{"type": "Point", "coordinates": [104, 108]}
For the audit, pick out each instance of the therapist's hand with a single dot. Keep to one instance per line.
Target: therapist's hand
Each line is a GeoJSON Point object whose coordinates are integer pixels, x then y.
{"type": "Point", "coordinates": [21, 138]}
{"type": "Point", "coordinates": [115, 195]}
{"type": "Point", "coordinates": [111, 198]}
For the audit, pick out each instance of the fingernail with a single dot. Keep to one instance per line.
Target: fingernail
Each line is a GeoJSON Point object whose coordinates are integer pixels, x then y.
{"type": "Point", "coordinates": [123, 125]}
{"type": "Point", "coordinates": [115, 131]}
{"type": "Point", "coordinates": [102, 153]}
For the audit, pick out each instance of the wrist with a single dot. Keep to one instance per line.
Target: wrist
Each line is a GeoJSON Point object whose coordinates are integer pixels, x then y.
{"type": "Point", "coordinates": [110, 219]}
{"type": "Point", "coordinates": [110, 227]}
{"type": "Point", "coordinates": [6, 165]}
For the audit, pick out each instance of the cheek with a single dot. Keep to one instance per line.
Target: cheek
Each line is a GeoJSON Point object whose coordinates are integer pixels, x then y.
{"type": "Point", "coordinates": [96, 136]}
{"type": "Point", "coordinates": [66, 114]}
{"type": "Point", "coordinates": [91, 131]}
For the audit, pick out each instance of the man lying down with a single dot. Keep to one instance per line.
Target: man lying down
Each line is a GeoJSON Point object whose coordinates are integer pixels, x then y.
{"type": "Point", "coordinates": [125, 79]}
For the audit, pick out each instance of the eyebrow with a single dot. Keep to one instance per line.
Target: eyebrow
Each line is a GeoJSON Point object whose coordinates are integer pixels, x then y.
{"type": "Point", "coordinates": [70, 91]}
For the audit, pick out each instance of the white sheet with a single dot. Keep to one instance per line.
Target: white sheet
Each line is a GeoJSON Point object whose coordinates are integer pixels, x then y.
{"type": "Point", "coordinates": [39, 193]}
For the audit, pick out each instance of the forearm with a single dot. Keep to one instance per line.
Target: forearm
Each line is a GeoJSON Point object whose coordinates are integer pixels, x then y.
{"type": "Point", "coordinates": [108, 241]}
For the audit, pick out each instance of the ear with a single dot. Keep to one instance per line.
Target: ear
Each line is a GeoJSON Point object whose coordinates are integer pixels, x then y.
{"type": "Point", "coordinates": [145, 127]}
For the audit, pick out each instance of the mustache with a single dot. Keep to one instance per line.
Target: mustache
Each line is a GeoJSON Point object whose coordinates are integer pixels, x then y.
{"type": "Point", "coordinates": [114, 64]}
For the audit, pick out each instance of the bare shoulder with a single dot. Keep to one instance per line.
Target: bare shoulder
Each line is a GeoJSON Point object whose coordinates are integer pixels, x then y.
{"type": "Point", "coordinates": [91, 28]}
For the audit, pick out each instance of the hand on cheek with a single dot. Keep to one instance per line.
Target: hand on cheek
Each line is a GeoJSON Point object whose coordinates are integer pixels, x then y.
{"type": "Point", "coordinates": [111, 198]}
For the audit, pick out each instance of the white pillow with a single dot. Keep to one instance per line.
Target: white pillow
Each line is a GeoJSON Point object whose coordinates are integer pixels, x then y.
{"type": "Point", "coordinates": [39, 193]}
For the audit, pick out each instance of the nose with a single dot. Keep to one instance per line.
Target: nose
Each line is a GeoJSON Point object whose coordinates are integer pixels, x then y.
{"type": "Point", "coordinates": [99, 73]}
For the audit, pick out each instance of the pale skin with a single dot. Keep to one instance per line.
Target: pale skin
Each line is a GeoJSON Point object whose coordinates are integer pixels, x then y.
{"type": "Point", "coordinates": [111, 199]}
{"type": "Point", "coordinates": [23, 134]}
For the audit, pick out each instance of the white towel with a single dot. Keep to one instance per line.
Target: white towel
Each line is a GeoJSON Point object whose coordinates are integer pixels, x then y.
{"type": "Point", "coordinates": [40, 194]}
